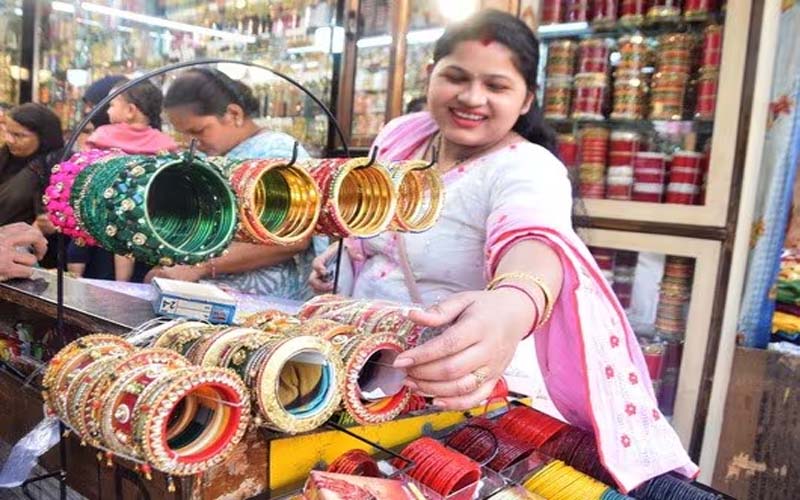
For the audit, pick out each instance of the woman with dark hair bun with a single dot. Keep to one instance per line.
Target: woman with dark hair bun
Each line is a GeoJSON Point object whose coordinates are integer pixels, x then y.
{"type": "Point", "coordinates": [33, 140]}
{"type": "Point", "coordinates": [503, 272]}
{"type": "Point", "coordinates": [219, 112]}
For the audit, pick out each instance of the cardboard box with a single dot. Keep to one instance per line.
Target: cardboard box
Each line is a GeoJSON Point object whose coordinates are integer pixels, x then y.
{"type": "Point", "coordinates": [204, 302]}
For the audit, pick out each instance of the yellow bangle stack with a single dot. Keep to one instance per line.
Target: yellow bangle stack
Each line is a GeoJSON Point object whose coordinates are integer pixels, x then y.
{"type": "Point", "coordinates": [528, 278]}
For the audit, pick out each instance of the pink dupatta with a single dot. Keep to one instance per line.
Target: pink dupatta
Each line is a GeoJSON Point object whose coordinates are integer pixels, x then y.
{"type": "Point", "coordinates": [590, 358]}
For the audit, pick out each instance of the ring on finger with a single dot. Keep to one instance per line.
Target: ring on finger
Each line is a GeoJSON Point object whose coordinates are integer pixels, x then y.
{"type": "Point", "coordinates": [481, 374]}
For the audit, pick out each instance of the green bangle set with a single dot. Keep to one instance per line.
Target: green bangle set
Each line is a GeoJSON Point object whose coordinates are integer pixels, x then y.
{"type": "Point", "coordinates": [166, 209]}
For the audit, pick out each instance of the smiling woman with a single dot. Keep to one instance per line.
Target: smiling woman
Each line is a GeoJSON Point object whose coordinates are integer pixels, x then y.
{"type": "Point", "coordinates": [503, 272]}
{"type": "Point", "coordinates": [33, 140]}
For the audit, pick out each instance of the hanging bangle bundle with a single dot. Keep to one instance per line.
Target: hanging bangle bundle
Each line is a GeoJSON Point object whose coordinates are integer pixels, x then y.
{"type": "Point", "coordinates": [355, 463]}
{"type": "Point", "coordinates": [559, 480]}
{"type": "Point", "coordinates": [439, 468]}
{"type": "Point", "coordinates": [71, 359]}
{"type": "Point", "coordinates": [420, 196]}
{"type": "Point", "coordinates": [279, 203]}
{"type": "Point", "coordinates": [57, 194]}
{"type": "Point", "coordinates": [167, 209]}
{"type": "Point", "coordinates": [358, 197]}
{"type": "Point", "coordinates": [295, 381]}
{"type": "Point", "coordinates": [373, 393]}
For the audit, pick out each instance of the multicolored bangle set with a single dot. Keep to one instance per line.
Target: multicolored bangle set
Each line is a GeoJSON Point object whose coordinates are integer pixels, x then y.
{"type": "Point", "coordinates": [180, 208]}
{"type": "Point", "coordinates": [150, 406]}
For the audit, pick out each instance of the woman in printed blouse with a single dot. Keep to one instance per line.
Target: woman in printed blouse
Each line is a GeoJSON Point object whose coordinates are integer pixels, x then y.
{"type": "Point", "coordinates": [507, 222]}
{"type": "Point", "coordinates": [218, 111]}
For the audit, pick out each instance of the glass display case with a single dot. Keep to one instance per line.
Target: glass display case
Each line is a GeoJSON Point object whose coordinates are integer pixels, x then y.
{"type": "Point", "coordinates": [294, 38]}
{"type": "Point", "coordinates": [10, 51]}
{"type": "Point", "coordinates": [666, 284]}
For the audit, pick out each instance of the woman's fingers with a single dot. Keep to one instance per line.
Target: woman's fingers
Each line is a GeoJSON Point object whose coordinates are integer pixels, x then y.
{"type": "Point", "coordinates": [452, 367]}
{"type": "Point", "coordinates": [25, 258]}
{"type": "Point", "coordinates": [465, 333]}
{"type": "Point", "coordinates": [461, 386]}
{"type": "Point", "coordinates": [467, 401]}
{"type": "Point", "coordinates": [443, 312]}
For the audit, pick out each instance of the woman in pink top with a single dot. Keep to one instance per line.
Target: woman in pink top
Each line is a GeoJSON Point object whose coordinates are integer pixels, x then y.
{"type": "Point", "coordinates": [507, 218]}
{"type": "Point", "coordinates": [135, 128]}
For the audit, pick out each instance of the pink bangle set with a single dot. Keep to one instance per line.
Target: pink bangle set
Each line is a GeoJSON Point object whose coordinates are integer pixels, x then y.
{"type": "Point", "coordinates": [57, 194]}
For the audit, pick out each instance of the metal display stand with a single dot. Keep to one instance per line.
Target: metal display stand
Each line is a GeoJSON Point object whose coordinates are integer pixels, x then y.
{"type": "Point", "coordinates": [61, 474]}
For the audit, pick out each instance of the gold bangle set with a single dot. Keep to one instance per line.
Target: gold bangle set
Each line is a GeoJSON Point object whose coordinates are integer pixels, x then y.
{"type": "Point", "coordinates": [420, 196]}
{"type": "Point", "coordinates": [522, 277]}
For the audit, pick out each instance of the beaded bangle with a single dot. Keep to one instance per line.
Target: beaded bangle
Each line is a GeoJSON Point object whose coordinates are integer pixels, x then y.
{"type": "Point", "coordinates": [211, 350]}
{"type": "Point", "coordinates": [57, 194]}
{"type": "Point", "coordinates": [216, 422]}
{"type": "Point", "coordinates": [279, 204]}
{"type": "Point", "coordinates": [270, 320]}
{"type": "Point", "coordinates": [80, 391]}
{"type": "Point", "coordinates": [357, 199]}
{"type": "Point", "coordinates": [264, 372]}
{"type": "Point", "coordinates": [161, 209]}
{"type": "Point", "coordinates": [87, 203]}
{"type": "Point", "coordinates": [361, 357]}
{"type": "Point", "coordinates": [420, 196]}
{"type": "Point", "coordinates": [75, 356]}
{"type": "Point", "coordinates": [335, 332]}
{"type": "Point", "coordinates": [183, 336]}
{"type": "Point", "coordinates": [137, 372]}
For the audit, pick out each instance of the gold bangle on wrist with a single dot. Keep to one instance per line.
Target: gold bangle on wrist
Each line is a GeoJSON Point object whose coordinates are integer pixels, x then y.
{"type": "Point", "coordinates": [528, 278]}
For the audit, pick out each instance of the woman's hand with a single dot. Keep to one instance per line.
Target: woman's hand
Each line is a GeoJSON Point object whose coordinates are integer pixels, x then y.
{"type": "Point", "coordinates": [19, 264]}
{"type": "Point", "coordinates": [461, 367]}
{"type": "Point", "coordinates": [181, 273]}
{"type": "Point", "coordinates": [320, 279]}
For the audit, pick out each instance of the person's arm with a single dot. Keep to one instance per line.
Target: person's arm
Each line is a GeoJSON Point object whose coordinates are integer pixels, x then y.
{"type": "Point", "coordinates": [76, 268]}
{"type": "Point", "coordinates": [461, 367]}
{"type": "Point", "coordinates": [123, 268]}
{"type": "Point", "coordinates": [241, 258]}
{"type": "Point", "coordinates": [483, 328]}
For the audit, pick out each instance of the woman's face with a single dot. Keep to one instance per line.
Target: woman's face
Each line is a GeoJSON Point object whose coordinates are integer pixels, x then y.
{"type": "Point", "coordinates": [215, 135]}
{"type": "Point", "coordinates": [476, 94]}
{"type": "Point", "coordinates": [22, 142]}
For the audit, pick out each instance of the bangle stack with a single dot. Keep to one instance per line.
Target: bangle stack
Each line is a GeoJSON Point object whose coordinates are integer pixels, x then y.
{"type": "Point", "coordinates": [295, 379]}
{"type": "Point", "coordinates": [371, 316]}
{"type": "Point", "coordinates": [279, 204]}
{"type": "Point", "coordinates": [420, 196]}
{"type": "Point", "coordinates": [372, 393]}
{"type": "Point", "coordinates": [541, 318]}
{"type": "Point", "coordinates": [57, 194]}
{"type": "Point", "coordinates": [149, 406]}
{"type": "Point", "coordinates": [358, 198]}
{"type": "Point", "coordinates": [167, 209]}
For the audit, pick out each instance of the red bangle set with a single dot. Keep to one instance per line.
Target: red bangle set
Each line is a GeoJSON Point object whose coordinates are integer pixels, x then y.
{"type": "Point", "coordinates": [530, 426]}
{"type": "Point", "coordinates": [440, 468]}
{"type": "Point", "coordinates": [355, 463]}
{"type": "Point", "coordinates": [486, 441]}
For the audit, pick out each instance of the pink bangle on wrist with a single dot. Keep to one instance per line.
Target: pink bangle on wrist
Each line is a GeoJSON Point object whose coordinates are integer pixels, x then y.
{"type": "Point", "coordinates": [528, 294]}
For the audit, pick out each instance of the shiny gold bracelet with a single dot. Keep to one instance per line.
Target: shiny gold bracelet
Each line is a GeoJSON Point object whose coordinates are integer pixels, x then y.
{"type": "Point", "coordinates": [528, 278]}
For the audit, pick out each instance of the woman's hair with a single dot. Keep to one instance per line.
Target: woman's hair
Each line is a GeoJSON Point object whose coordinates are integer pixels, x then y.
{"type": "Point", "coordinates": [515, 35]}
{"type": "Point", "coordinates": [147, 98]}
{"type": "Point", "coordinates": [42, 122]}
{"type": "Point", "coordinates": [209, 91]}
